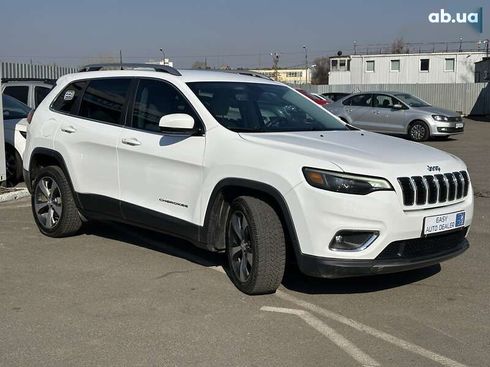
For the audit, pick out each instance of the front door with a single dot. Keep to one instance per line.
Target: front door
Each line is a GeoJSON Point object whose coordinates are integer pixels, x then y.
{"type": "Point", "coordinates": [385, 118]}
{"type": "Point", "coordinates": [160, 174]}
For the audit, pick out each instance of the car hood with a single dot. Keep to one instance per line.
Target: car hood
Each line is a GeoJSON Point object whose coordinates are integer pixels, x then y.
{"type": "Point", "coordinates": [359, 152]}
{"type": "Point", "coordinates": [437, 111]}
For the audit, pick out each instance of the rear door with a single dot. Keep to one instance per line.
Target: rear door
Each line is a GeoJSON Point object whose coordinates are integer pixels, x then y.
{"type": "Point", "coordinates": [89, 126]}
{"type": "Point", "coordinates": [160, 173]}
{"type": "Point", "coordinates": [358, 108]}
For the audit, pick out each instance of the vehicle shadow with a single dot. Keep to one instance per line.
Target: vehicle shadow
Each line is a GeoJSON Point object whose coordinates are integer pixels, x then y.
{"type": "Point", "coordinates": [296, 281]}
{"type": "Point", "coordinates": [155, 241]}
{"type": "Point", "coordinates": [293, 279]}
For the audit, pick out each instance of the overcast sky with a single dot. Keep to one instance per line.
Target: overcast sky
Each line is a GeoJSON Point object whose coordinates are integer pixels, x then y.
{"type": "Point", "coordinates": [237, 33]}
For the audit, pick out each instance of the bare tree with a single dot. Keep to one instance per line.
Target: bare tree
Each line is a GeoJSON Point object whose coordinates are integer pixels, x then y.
{"type": "Point", "coordinates": [398, 46]}
{"type": "Point", "coordinates": [320, 71]}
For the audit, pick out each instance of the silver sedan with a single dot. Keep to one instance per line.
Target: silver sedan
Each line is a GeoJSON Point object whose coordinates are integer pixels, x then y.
{"type": "Point", "coordinates": [397, 113]}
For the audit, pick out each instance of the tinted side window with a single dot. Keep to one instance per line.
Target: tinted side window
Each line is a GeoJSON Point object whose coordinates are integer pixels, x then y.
{"type": "Point", "coordinates": [20, 93]}
{"type": "Point", "coordinates": [69, 100]}
{"type": "Point", "coordinates": [383, 101]}
{"type": "Point", "coordinates": [103, 100]}
{"type": "Point", "coordinates": [360, 100]}
{"type": "Point", "coordinates": [40, 93]}
{"type": "Point", "coordinates": [155, 99]}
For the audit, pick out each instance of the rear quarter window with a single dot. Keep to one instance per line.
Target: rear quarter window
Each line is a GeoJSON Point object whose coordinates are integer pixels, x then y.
{"type": "Point", "coordinates": [68, 101]}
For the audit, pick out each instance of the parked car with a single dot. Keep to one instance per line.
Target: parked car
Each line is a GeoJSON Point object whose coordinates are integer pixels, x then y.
{"type": "Point", "coordinates": [29, 91]}
{"type": "Point", "coordinates": [317, 99]}
{"type": "Point", "coordinates": [243, 165]}
{"type": "Point", "coordinates": [397, 113]}
{"type": "Point", "coordinates": [322, 97]}
{"type": "Point", "coordinates": [335, 96]}
{"type": "Point", "coordinates": [15, 115]}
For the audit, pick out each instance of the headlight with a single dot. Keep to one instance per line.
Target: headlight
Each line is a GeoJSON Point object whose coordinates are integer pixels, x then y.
{"type": "Point", "coordinates": [344, 182]}
{"type": "Point", "coordinates": [440, 118]}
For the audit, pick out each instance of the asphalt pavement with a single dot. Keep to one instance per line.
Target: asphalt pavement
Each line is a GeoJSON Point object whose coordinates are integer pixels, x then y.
{"type": "Point", "coordinates": [121, 296]}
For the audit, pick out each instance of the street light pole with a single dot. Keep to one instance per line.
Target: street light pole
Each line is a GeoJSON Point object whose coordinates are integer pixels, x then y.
{"type": "Point", "coordinates": [306, 63]}
{"type": "Point", "coordinates": [163, 54]}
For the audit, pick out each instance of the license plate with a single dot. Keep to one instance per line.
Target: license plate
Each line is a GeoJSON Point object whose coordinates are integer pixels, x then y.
{"type": "Point", "coordinates": [459, 125]}
{"type": "Point", "coordinates": [443, 223]}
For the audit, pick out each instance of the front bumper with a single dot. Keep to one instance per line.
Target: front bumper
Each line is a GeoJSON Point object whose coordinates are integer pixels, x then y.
{"type": "Point", "coordinates": [397, 257]}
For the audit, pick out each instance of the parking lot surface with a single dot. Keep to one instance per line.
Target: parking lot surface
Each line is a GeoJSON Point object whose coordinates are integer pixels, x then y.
{"type": "Point", "coordinates": [120, 296]}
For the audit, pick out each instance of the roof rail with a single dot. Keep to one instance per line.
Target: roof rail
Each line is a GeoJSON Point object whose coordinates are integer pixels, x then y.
{"type": "Point", "coordinates": [123, 66]}
{"type": "Point", "coordinates": [44, 80]}
{"type": "Point", "coordinates": [249, 73]}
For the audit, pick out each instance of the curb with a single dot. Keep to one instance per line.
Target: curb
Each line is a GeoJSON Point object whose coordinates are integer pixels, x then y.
{"type": "Point", "coordinates": [14, 195]}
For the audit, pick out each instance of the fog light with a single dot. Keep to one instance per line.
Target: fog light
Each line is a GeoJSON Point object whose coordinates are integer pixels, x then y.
{"type": "Point", "coordinates": [352, 240]}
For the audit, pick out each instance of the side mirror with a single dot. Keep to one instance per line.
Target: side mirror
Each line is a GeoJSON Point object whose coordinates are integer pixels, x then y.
{"type": "Point", "coordinates": [176, 122]}
{"type": "Point", "coordinates": [397, 106]}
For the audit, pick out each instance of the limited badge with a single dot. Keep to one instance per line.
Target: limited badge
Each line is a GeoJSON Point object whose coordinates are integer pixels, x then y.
{"type": "Point", "coordinates": [69, 94]}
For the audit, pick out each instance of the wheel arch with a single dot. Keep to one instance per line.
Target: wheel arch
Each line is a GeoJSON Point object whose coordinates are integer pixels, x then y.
{"type": "Point", "coordinates": [43, 157]}
{"type": "Point", "coordinates": [219, 203]}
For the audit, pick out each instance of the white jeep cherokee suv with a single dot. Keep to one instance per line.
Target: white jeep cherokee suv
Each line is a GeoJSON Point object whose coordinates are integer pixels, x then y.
{"type": "Point", "coordinates": [242, 164]}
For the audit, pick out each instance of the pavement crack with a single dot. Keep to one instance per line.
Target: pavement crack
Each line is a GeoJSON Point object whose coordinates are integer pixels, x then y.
{"type": "Point", "coordinates": [175, 272]}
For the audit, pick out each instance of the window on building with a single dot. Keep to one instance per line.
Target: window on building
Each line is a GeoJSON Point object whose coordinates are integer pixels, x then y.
{"type": "Point", "coordinates": [335, 64]}
{"type": "Point", "coordinates": [370, 66]}
{"type": "Point", "coordinates": [18, 92]}
{"type": "Point", "coordinates": [395, 65]}
{"type": "Point", "coordinates": [449, 64]}
{"type": "Point", "coordinates": [103, 100]}
{"type": "Point", "coordinates": [342, 65]}
{"type": "Point", "coordinates": [424, 64]}
{"type": "Point", "coordinates": [155, 99]}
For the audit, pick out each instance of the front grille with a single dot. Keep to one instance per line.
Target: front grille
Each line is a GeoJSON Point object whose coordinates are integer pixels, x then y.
{"type": "Point", "coordinates": [432, 189]}
{"type": "Point", "coordinates": [423, 247]}
{"type": "Point", "coordinates": [455, 119]}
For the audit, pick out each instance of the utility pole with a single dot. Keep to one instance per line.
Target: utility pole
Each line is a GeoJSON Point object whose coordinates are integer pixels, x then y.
{"type": "Point", "coordinates": [163, 55]}
{"type": "Point", "coordinates": [306, 63]}
{"type": "Point", "coordinates": [275, 62]}
{"type": "Point", "coordinates": [460, 44]}
{"type": "Point", "coordinates": [355, 47]}
{"type": "Point", "coordinates": [120, 59]}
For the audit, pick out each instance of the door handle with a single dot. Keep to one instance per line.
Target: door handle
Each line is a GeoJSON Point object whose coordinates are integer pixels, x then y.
{"type": "Point", "coordinates": [68, 129]}
{"type": "Point", "coordinates": [130, 141]}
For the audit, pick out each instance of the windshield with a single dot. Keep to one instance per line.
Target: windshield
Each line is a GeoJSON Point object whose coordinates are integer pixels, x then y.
{"type": "Point", "coordinates": [411, 100]}
{"type": "Point", "coordinates": [13, 109]}
{"type": "Point", "coordinates": [253, 107]}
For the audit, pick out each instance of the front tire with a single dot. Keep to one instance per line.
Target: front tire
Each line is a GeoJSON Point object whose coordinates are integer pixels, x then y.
{"type": "Point", "coordinates": [53, 205]}
{"type": "Point", "coordinates": [255, 246]}
{"type": "Point", "coordinates": [418, 131]}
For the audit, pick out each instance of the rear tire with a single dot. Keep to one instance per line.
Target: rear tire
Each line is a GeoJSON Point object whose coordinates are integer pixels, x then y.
{"type": "Point", "coordinates": [418, 131]}
{"type": "Point", "coordinates": [13, 163]}
{"type": "Point", "coordinates": [255, 246]}
{"type": "Point", "coordinates": [53, 205]}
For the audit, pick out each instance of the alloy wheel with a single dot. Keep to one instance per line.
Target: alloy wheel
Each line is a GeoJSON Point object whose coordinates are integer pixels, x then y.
{"type": "Point", "coordinates": [417, 132]}
{"type": "Point", "coordinates": [48, 202]}
{"type": "Point", "coordinates": [240, 246]}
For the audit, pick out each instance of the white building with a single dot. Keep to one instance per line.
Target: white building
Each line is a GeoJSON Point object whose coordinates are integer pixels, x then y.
{"type": "Point", "coordinates": [289, 76]}
{"type": "Point", "coordinates": [416, 68]}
